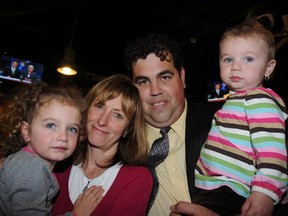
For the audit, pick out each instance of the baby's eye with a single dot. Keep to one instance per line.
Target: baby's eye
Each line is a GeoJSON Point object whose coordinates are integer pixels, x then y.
{"type": "Point", "coordinates": [50, 125]}
{"type": "Point", "coordinates": [249, 59]}
{"type": "Point", "coordinates": [227, 60]}
{"type": "Point", "coordinates": [73, 130]}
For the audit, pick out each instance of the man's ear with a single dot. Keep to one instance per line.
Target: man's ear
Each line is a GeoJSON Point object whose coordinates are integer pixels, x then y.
{"type": "Point", "coordinates": [182, 74]}
{"type": "Point", "coordinates": [25, 131]}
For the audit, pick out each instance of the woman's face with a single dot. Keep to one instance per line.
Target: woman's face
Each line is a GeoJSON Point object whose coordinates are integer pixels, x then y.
{"type": "Point", "coordinates": [106, 123]}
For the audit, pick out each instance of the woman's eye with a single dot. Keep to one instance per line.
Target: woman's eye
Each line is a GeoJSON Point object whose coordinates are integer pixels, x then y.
{"type": "Point", "coordinates": [99, 106]}
{"type": "Point", "coordinates": [118, 116]}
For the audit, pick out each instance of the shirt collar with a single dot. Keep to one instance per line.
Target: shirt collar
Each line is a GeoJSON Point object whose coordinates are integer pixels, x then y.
{"type": "Point", "coordinates": [178, 127]}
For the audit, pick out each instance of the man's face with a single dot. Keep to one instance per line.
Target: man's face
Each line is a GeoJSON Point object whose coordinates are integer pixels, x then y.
{"type": "Point", "coordinates": [14, 64]}
{"type": "Point", "coordinates": [161, 89]}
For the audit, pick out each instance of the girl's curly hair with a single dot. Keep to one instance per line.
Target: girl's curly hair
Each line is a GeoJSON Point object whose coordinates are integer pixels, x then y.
{"type": "Point", "coordinates": [23, 105]}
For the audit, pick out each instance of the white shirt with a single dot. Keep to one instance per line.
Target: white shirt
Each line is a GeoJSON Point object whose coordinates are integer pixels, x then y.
{"type": "Point", "coordinates": [78, 181]}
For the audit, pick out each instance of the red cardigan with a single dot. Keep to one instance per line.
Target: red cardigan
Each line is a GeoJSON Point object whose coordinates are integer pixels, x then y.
{"type": "Point", "coordinates": [128, 195]}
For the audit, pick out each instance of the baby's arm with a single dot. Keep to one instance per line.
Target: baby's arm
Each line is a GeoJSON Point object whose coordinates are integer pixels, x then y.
{"type": "Point", "coordinates": [258, 204]}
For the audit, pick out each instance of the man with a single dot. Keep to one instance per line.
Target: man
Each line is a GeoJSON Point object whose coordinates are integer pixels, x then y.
{"type": "Point", "coordinates": [31, 75]}
{"type": "Point", "coordinates": [12, 70]}
{"type": "Point", "coordinates": [217, 92]}
{"type": "Point", "coordinates": [156, 63]}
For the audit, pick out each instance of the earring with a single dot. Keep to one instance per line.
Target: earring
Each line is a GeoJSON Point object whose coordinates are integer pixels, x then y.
{"type": "Point", "coordinates": [124, 134]}
{"type": "Point", "coordinates": [267, 78]}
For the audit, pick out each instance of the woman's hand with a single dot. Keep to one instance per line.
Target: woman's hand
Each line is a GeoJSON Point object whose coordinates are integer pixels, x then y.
{"type": "Point", "coordinates": [88, 201]}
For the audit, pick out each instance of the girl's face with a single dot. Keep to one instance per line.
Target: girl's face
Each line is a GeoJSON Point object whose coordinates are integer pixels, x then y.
{"type": "Point", "coordinates": [106, 124]}
{"type": "Point", "coordinates": [54, 131]}
{"type": "Point", "coordinates": [243, 62]}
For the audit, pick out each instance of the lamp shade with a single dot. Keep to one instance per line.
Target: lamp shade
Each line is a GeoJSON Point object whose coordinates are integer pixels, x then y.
{"type": "Point", "coordinates": [67, 66]}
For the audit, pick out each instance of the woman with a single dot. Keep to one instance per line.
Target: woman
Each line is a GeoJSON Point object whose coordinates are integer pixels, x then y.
{"type": "Point", "coordinates": [110, 156]}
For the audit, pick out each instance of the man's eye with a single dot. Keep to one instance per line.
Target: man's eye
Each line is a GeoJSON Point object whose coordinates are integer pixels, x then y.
{"type": "Point", "coordinates": [165, 77]}
{"type": "Point", "coordinates": [141, 82]}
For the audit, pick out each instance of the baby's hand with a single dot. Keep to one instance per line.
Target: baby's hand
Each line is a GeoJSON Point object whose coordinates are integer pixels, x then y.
{"type": "Point", "coordinates": [258, 204]}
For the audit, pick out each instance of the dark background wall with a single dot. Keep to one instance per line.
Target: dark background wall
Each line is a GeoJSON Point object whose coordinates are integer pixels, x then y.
{"type": "Point", "coordinates": [39, 30]}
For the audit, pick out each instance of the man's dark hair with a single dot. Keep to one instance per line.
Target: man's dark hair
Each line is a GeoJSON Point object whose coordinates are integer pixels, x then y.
{"type": "Point", "coordinates": [160, 45]}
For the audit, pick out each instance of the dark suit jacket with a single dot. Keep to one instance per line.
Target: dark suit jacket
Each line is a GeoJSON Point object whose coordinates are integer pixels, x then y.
{"type": "Point", "coordinates": [214, 94]}
{"type": "Point", "coordinates": [32, 77]}
{"type": "Point", "coordinates": [198, 123]}
{"type": "Point", "coordinates": [8, 72]}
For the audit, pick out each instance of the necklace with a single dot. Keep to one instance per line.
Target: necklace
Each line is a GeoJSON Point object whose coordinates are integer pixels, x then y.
{"type": "Point", "coordinates": [87, 185]}
{"type": "Point", "coordinates": [91, 179]}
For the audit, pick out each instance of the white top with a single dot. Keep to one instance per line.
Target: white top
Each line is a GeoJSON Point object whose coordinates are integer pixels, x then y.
{"type": "Point", "coordinates": [78, 181]}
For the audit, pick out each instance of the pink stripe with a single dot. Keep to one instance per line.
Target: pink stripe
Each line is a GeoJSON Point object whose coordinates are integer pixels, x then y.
{"type": "Point", "coordinates": [272, 155]}
{"type": "Point", "coordinates": [219, 140]}
{"type": "Point", "coordinates": [269, 186]}
{"type": "Point", "coordinates": [265, 152]}
{"type": "Point", "coordinates": [266, 120]}
{"type": "Point", "coordinates": [238, 116]}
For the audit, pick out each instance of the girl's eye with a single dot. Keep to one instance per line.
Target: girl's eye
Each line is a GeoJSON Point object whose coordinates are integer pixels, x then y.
{"type": "Point", "coordinates": [73, 130]}
{"type": "Point", "coordinates": [51, 125]}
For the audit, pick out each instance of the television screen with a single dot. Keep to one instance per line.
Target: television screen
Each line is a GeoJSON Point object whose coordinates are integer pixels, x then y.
{"type": "Point", "coordinates": [217, 91]}
{"type": "Point", "coordinates": [16, 71]}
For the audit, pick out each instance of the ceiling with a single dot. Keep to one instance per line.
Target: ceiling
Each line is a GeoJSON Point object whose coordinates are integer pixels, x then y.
{"type": "Point", "coordinates": [40, 30]}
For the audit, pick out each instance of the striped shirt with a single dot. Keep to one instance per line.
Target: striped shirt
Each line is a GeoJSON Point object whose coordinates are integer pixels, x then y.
{"type": "Point", "coordinates": [246, 148]}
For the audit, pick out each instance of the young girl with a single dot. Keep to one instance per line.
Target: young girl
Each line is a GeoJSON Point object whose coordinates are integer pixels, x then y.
{"type": "Point", "coordinates": [243, 164]}
{"type": "Point", "coordinates": [40, 126]}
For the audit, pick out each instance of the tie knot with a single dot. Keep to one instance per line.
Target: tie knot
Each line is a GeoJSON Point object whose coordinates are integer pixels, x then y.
{"type": "Point", "coordinates": [165, 130]}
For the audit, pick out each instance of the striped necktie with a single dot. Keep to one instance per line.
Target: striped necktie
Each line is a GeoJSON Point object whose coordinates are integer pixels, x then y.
{"type": "Point", "coordinates": [158, 152]}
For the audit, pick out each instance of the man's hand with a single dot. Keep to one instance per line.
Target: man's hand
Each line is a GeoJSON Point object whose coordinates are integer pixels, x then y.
{"type": "Point", "coordinates": [190, 209]}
